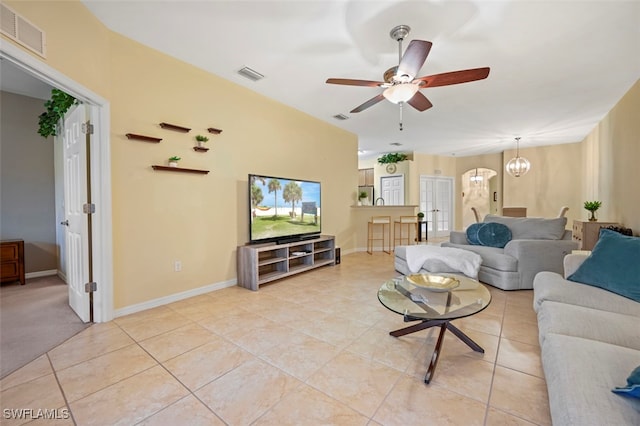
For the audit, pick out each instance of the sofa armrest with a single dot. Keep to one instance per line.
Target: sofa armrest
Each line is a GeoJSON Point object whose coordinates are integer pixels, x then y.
{"type": "Point", "coordinates": [572, 262]}
{"type": "Point", "coordinates": [539, 255]}
{"type": "Point", "coordinates": [458, 237]}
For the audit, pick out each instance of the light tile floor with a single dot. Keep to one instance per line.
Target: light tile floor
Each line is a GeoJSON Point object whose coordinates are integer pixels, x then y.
{"type": "Point", "coordinates": [308, 350]}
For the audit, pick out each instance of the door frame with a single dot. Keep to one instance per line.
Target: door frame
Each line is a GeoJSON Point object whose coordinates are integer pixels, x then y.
{"type": "Point", "coordinates": [453, 201]}
{"type": "Point", "coordinates": [100, 115]}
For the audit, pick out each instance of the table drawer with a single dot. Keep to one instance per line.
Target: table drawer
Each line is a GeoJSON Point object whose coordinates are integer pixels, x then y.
{"type": "Point", "coordinates": [9, 252]}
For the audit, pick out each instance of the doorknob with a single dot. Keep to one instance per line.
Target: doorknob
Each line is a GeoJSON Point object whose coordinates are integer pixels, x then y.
{"type": "Point", "coordinates": [65, 223]}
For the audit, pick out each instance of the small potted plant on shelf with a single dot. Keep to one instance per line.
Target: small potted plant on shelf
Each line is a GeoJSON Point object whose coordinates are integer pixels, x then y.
{"type": "Point", "coordinates": [362, 195]}
{"type": "Point", "coordinates": [592, 206]}
{"type": "Point", "coordinates": [173, 161]}
{"type": "Point", "coordinates": [201, 140]}
{"type": "Point", "coordinates": [420, 216]}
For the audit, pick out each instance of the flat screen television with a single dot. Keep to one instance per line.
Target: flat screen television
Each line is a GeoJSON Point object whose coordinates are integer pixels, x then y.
{"type": "Point", "coordinates": [283, 209]}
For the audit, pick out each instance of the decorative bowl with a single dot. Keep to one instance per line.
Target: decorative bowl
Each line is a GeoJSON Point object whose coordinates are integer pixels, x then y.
{"type": "Point", "coordinates": [433, 282]}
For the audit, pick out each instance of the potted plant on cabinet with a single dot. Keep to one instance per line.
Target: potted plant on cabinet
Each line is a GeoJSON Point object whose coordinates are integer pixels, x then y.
{"type": "Point", "coordinates": [362, 195]}
{"type": "Point", "coordinates": [201, 140]}
{"type": "Point", "coordinates": [592, 206]}
{"type": "Point", "coordinates": [173, 161]}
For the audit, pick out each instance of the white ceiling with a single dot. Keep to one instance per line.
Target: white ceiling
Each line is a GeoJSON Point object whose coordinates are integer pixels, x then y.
{"type": "Point", "coordinates": [557, 67]}
{"type": "Point", "coordinates": [15, 80]}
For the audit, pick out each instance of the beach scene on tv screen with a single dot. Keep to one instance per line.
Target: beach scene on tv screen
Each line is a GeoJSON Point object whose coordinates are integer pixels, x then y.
{"type": "Point", "coordinates": [282, 207]}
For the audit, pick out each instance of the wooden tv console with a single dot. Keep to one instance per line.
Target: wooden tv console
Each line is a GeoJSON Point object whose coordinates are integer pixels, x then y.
{"type": "Point", "coordinates": [262, 263]}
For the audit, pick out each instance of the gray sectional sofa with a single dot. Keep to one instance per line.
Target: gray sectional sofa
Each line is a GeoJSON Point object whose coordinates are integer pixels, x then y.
{"type": "Point", "coordinates": [590, 343]}
{"type": "Point", "coordinates": [537, 244]}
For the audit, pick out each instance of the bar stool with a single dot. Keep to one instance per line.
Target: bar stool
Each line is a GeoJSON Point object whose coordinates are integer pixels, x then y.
{"type": "Point", "coordinates": [404, 222]}
{"type": "Point", "coordinates": [378, 222]}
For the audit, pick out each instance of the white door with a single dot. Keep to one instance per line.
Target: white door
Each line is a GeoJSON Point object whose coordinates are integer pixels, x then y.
{"type": "Point", "coordinates": [436, 201]}
{"type": "Point", "coordinates": [75, 195]}
{"type": "Point", "coordinates": [392, 190]}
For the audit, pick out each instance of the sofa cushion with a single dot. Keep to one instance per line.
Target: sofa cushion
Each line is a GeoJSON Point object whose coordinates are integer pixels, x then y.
{"type": "Point", "coordinates": [472, 233]}
{"type": "Point", "coordinates": [494, 235]}
{"type": "Point", "coordinates": [531, 228]}
{"type": "Point", "coordinates": [578, 321]}
{"type": "Point", "coordinates": [492, 257]}
{"type": "Point", "coordinates": [551, 286]}
{"type": "Point", "coordinates": [613, 265]}
{"type": "Point", "coordinates": [580, 374]}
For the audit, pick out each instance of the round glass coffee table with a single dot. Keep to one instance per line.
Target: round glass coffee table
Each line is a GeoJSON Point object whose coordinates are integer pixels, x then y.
{"type": "Point", "coordinates": [435, 300]}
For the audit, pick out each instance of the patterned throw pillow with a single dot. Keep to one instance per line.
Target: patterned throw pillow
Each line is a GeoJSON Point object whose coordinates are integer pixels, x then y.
{"type": "Point", "coordinates": [494, 234]}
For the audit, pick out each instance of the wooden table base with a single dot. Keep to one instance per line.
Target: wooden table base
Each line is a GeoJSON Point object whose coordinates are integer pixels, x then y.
{"type": "Point", "coordinates": [444, 325]}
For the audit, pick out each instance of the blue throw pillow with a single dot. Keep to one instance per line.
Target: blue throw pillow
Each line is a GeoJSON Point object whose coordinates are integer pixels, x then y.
{"type": "Point", "coordinates": [633, 385]}
{"type": "Point", "coordinates": [614, 265]}
{"type": "Point", "coordinates": [494, 234]}
{"type": "Point", "coordinates": [472, 233]}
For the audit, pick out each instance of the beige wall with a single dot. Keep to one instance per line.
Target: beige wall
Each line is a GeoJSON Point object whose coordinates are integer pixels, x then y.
{"type": "Point", "coordinates": [198, 219]}
{"type": "Point", "coordinates": [612, 153]}
{"type": "Point", "coordinates": [27, 196]}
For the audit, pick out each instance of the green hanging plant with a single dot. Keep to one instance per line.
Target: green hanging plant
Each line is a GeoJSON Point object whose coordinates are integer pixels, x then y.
{"type": "Point", "coordinates": [392, 157]}
{"type": "Point", "coordinates": [56, 108]}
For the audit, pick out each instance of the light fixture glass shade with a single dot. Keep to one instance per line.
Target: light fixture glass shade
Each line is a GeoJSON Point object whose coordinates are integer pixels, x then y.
{"type": "Point", "coordinates": [518, 166]}
{"type": "Point", "coordinates": [401, 92]}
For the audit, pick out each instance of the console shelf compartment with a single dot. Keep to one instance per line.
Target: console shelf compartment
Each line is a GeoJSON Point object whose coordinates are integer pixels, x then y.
{"type": "Point", "coordinates": [143, 138]}
{"type": "Point", "coordinates": [175, 128]}
{"type": "Point", "coordinates": [179, 169]}
{"type": "Point", "coordinates": [262, 263]}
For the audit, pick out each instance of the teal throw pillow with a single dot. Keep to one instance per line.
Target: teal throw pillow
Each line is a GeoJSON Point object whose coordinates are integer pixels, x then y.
{"type": "Point", "coordinates": [614, 265]}
{"type": "Point", "coordinates": [494, 234]}
{"type": "Point", "coordinates": [472, 233]}
{"type": "Point", "coordinates": [633, 385]}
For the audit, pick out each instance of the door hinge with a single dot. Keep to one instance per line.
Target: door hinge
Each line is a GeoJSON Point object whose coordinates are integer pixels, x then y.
{"type": "Point", "coordinates": [87, 128]}
{"type": "Point", "coordinates": [90, 287]}
{"type": "Point", "coordinates": [88, 208]}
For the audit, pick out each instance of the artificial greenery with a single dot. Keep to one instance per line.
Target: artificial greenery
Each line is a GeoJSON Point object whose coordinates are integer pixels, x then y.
{"type": "Point", "coordinates": [362, 195]}
{"type": "Point", "coordinates": [175, 158]}
{"type": "Point", "coordinates": [592, 206]}
{"type": "Point", "coordinates": [201, 138]}
{"type": "Point", "coordinates": [56, 108]}
{"type": "Point", "coordinates": [420, 215]}
{"type": "Point", "coordinates": [392, 157]}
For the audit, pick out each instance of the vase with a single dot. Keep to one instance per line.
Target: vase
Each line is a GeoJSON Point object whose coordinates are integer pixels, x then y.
{"type": "Point", "coordinates": [593, 218]}
{"type": "Point", "coordinates": [173, 164]}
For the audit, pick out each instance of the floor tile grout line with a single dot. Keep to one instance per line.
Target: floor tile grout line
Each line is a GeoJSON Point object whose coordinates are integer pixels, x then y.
{"type": "Point", "coordinates": [64, 395]}
{"type": "Point", "coordinates": [495, 363]}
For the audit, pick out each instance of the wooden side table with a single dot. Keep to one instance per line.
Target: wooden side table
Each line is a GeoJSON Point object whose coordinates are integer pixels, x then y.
{"type": "Point", "coordinates": [12, 261]}
{"type": "Point", "coordinates": [586, 233]}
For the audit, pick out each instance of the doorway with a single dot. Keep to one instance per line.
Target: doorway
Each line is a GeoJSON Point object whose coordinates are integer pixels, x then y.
{"type": "Point", "coordinates": [392, 190]}
{"type": "Point", "coordinates": [100, 174]}
{"type": "Point", "coordinates": [480, 191]}
{"type": "Point", "coordinates": [436, 201]}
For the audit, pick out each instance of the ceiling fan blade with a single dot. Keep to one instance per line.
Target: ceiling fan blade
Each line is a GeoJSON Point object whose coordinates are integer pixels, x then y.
{"type": "Point", "coordinates": [371, 102]}
{"type": "Point", "coordinates": [454, 77]}
{"type": "Point", "coordinates": [350, 82]}
{"type": "Point", "coordinates": [414, 58]}
{"type": "Point", "coordinates": [420, 102]}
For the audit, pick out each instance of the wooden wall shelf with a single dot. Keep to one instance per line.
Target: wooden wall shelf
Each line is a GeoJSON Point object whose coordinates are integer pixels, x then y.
{"type": "Point", "coordinates": [214, 131]}
{"type": "Point", "coordinates": [179, 169]}
{"type": "Point", "coordinates": [175, 128]}
{"type": "Point", "coordinates": [143, 138]}
{"type": "Point", "coordinates": [200, 149]}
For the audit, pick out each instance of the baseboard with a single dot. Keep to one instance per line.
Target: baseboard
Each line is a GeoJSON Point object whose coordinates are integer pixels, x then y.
{"type": "Point", "coordinates": [132, 309]}
{"type": "Point", "coordinates": [39, 274]}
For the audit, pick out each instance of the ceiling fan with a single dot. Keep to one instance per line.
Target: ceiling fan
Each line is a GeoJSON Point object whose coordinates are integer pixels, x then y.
{"type": "Point", "coordinates": [400, 82]}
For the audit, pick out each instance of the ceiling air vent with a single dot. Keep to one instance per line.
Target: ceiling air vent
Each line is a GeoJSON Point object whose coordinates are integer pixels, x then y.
{"type": "Point", "coordinates": [395, 144]}
{"type": "Point", "coordinates": [22, 31]}
{"type": "Point", "coordinates": [250, 74]}
{"type": "Point", "coordinates": [340, 117]}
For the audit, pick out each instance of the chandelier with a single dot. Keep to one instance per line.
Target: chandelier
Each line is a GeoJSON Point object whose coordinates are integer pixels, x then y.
{"type": "Point", "coordinates": [518, 166]}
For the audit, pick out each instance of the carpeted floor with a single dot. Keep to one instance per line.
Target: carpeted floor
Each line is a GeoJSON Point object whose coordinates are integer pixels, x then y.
{"type": "Point", "coordinates": [34, 318]}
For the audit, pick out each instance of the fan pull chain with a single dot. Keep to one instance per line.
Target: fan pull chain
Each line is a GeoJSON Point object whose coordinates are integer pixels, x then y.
{"type": "Point", "coordinates": [401, 104]}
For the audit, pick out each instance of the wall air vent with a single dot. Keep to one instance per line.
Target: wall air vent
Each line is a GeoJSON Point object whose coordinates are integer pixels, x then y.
{"type": "Point", "coordinates": [252, 75]}
{"type": "Point", "coordinates": [21, 31]}
{"type": "Point", "coordinates": [340, 117]}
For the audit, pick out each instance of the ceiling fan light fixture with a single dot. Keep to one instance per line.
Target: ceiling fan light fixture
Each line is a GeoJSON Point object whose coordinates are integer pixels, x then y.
{"type": "Point", "coordinates": [401, 92]}
{"type": "Point", "coordinates": [518, 166]}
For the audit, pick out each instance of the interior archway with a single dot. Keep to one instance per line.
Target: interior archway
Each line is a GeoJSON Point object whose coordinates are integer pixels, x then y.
{"type": "Point", "coordinates": [479, 190]}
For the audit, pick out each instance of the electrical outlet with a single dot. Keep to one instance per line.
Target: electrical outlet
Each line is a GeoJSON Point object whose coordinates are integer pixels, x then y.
{"type": "Point", "coordinates": [177, 266]}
